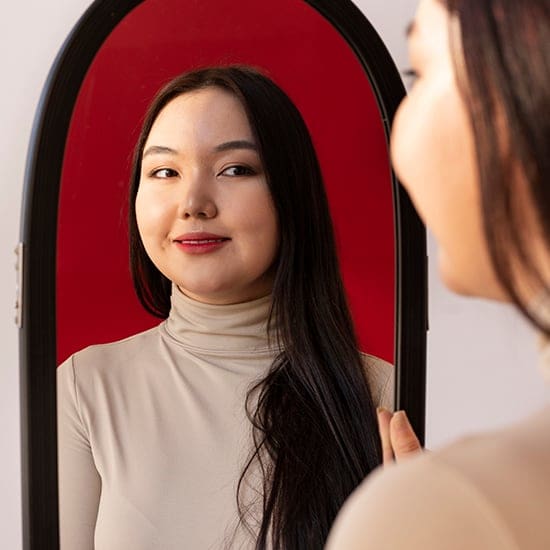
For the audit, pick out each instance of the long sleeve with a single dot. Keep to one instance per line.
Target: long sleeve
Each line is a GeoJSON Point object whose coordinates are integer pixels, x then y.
{"type": "Point", "coordinates": [79, 481]}
{"type": "Point", "coordinates": [381, 379]}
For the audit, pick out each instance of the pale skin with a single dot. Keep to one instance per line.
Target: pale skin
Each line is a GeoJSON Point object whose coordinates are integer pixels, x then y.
{"type": "Point", "coordinates": [202, 174]}
{"type": "Point", "coordinates": [399, 441]}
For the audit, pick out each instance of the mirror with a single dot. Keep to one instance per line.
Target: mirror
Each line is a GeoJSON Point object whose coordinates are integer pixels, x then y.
{"type": "Point", "coordinates": [335, 69]}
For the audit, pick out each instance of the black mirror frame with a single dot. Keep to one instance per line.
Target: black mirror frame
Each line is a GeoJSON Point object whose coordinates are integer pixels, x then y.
{"type": "Point", "coordinates": [39, 234]}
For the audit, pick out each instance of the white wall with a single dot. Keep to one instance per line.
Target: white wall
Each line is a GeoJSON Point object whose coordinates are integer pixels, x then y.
{"type": "Point", "coordinates": [31, 34]}
{"type": "Point", "coordinates": [481, 365]}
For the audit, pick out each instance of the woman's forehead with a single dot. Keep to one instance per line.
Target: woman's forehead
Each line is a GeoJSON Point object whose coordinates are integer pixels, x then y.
{"type": "Point", "coordinates": [206, 114]}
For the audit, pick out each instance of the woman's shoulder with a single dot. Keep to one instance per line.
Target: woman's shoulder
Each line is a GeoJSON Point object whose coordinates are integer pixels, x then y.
{"type": "Point", "coordinates": [418, 504]}
{"type": "Point", "coordinates": [381, 379]}
{"type": "Point", "coordinates": [488, 491]}
{"type": "Point", "coordinates": [111, 356]}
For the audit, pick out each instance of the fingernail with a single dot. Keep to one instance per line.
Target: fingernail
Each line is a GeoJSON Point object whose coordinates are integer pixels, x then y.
{"type": "Point", "coordinates": [381, 410]}
{"type": "Point", "coordinates": [400, 419]}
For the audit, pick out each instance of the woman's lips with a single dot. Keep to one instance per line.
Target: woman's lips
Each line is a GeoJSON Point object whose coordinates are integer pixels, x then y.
{"type": "Point", "coordinates": [200, 242]}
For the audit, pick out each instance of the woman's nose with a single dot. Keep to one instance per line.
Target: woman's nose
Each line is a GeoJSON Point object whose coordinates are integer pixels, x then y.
{"type": "Point", "coordinates": [197, 202]}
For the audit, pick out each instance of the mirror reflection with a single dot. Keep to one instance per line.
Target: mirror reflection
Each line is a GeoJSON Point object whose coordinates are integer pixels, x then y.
{"type": "Point", "coordinates": [199, 424]}
{"type": "Point", "coordinates": [261, 233]}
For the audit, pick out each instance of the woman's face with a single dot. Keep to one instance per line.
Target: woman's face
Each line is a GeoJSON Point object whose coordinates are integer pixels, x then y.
{"type": "Point", "coordinates": [203, 207]}
{"type": "Point", "coordinates": [434, 156]}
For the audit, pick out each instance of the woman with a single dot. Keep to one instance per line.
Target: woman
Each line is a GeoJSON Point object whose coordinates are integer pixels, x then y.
{"type": "Point", "coordinates": [247, 417]}
{"type": "Point", "coordinates": [471, 144]}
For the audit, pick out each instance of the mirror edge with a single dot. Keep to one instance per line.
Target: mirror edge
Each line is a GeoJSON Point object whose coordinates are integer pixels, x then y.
{"type": "Point", "coordinates": [38, 234]}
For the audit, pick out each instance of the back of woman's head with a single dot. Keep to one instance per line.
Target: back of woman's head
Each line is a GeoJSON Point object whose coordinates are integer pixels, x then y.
{"type": "Point", "coordinates": [315, 428]}
{"type": "Point", "coordinates": [502, 61]}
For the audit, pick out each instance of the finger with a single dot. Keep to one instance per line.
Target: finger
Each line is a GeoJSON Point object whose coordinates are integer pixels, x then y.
{"type": "Point", "coordinates": [384, 417]}
{"type": "Point", "coordinates": [403, 439]}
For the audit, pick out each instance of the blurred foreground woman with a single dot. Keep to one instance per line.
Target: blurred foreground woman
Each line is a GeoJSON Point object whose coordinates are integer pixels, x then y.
{"type": "Point", "coordinates": [471, 144]}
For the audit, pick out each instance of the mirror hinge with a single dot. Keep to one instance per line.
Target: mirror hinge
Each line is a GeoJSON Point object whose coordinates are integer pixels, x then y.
{"type": "Point", "coordinates": [19, 285]}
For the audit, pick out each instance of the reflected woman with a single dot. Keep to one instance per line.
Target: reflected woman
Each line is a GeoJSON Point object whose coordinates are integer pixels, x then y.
{"type": "Point", "coordinates": [471, 144]}
{"type": "Point", "coordinates": [246, 417]}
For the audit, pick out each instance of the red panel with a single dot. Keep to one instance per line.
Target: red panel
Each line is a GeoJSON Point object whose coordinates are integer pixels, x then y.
{"type": "Point", "coordinates": [155, 42]}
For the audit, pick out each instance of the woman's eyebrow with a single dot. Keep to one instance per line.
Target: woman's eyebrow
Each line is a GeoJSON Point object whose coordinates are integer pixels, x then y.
{"type": "Point", "coordinates": [226, 146]}
{"type": "Point", "coordinates": [158, 150]}
{"type": "Point", "coordinates": [236, 144]}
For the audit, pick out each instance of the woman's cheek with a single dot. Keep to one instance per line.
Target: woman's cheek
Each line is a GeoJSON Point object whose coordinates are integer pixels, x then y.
{"type": "Point", "coordinates": [152, 209]}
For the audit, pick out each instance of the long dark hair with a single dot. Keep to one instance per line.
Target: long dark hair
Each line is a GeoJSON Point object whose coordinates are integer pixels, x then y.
{"type": "Point", "coordinates": [315, 433]}
{"type": "Point", "coordinates": [503, 67]}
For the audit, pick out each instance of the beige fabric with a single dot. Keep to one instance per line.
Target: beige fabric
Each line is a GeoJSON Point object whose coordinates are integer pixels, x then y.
{"type": "Point", "coordinates": [153, 434]}
{"type": "Point", "coordinates": [482, 493]}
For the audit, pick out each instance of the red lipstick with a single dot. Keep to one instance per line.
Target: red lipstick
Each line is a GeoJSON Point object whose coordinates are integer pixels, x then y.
{"type": "Point", "coordinates": [200, 242]}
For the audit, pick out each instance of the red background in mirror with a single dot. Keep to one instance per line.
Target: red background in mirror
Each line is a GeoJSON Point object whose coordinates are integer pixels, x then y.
{"type": "Point", "coordinates": [155, 42]}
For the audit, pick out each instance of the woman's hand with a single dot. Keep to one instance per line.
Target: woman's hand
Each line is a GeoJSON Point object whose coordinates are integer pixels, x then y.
{"type": "Point", "coordinates": [398, 438]}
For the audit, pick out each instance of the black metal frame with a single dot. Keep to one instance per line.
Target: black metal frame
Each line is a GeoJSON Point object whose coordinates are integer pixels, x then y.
{"type": "Point", "coordinates": [39, 235]}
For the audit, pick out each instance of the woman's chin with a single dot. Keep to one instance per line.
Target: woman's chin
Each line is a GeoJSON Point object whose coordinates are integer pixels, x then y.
{"type": "Point", "coordinates": [207, 295]}
{"type": "Point", "coordinates": [220, 295]}
{"type": "Point", "coordinates": [469, 282]}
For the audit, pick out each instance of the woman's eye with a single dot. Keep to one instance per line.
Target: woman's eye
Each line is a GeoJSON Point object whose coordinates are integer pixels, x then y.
{"type": "Point", "coordinates": [237, 170]}
{"type": "Point", "coordinates": [164, 173]}
{"type": "Point", "coordinates": [410, 76]}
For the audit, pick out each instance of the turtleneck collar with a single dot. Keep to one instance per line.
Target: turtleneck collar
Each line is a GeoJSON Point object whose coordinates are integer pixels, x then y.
{"type": "Point", "coordinates": [235, 327]}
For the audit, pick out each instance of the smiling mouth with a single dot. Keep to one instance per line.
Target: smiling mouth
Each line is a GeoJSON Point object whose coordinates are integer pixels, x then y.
{"type": "Point", "coordinates": [202, 244]}
{"type": "Point", "coordinates": [202, 241]}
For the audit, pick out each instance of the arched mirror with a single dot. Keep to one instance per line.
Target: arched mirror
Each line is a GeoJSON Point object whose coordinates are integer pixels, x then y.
{"type": "Point", "coordinates": [76, 282]}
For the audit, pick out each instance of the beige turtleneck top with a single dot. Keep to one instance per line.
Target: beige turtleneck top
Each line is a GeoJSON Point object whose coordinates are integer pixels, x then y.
{"type": "Point", "coordinates": [488, 492]}
{"type": "Point", "coordinates": [153, 433]}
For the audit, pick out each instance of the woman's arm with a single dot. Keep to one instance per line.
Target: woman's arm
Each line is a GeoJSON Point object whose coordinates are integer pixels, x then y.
{"type": "Point", "coordinates": [79, 481]}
